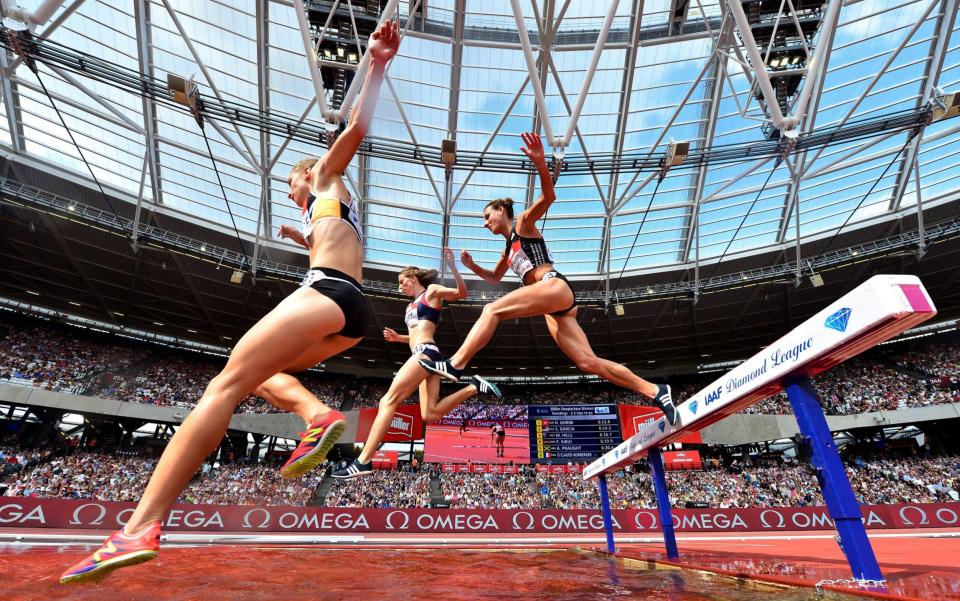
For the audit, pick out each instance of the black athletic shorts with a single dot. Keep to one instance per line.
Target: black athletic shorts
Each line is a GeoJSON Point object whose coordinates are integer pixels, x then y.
{"type": "Point", "coordinates": [347, 293]}
{"type": "Point", "coordinates": [558, 275]}
{"type": "Point", "coordinates": [430, 349]}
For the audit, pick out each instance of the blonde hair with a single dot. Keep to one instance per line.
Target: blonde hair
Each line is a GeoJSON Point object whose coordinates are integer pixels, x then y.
{"type": "Point", "coordinates": [501, 203]}
{"type": "Point", "coordinates": [302, 164]}
{"type": "Point", "coordinates": [424, 276]}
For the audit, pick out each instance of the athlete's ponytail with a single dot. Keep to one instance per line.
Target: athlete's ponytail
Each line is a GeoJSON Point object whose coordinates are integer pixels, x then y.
{"type": "Point", "coordinates": [424, 276]}
{"type": "Point", "coordinates": [502, 203]}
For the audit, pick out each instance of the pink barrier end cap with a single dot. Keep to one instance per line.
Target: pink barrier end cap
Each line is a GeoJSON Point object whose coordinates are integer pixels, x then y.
{"type": "Point", "coordinates": [916, 297]}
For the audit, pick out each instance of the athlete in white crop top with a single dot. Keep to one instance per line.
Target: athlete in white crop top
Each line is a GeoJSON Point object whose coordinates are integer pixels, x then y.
{"type": "Point", "coordinates": [322, 318]}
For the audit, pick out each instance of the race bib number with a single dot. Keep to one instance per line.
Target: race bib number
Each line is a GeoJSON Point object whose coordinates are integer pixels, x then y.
{"type": "Point", "coordinates": [520, 263]}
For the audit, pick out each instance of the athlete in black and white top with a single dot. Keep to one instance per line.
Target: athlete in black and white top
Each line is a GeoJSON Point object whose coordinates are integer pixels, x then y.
{"type": "Point", "coordinates": [545, 292]}
{"type": "Point", "coordinates": [422, 317]}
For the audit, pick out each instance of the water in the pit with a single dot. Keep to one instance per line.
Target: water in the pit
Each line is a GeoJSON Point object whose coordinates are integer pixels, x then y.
{"type": "Point", "coordinates": [245, 573]}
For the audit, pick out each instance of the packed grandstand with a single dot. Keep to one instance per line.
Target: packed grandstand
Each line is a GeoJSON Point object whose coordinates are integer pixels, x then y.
{"type": "Point", "coordinates": [47, 355]}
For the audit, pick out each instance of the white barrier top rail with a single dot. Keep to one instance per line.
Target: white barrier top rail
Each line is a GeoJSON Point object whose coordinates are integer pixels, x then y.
{"type": "Point", "coordinates": [874, 311]}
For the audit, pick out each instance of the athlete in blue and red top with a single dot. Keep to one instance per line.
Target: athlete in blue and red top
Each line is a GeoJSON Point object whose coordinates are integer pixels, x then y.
{"type": "Point", "coordinates": [422, 318]}
{"type": "Point", "coordinates": [545, 292]}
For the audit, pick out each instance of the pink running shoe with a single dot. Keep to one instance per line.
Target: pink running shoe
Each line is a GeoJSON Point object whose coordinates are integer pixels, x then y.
{"type": "Point", "coordinates": [315, 443]}
{"type": "Point", "coordinates": [118, 551]}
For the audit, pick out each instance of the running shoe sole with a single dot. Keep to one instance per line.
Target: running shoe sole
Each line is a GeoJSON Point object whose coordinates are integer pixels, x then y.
{"type": "Point", "coordinates": [352, 476]}
{"type": "Point", "coordinates": [493, 388]}
{"type": "Point", "coordinates": [317, 455]}
{"type": "Point", "coordinates": [104, 569]}
{"type": "Point", "coordinates": [445, 375]}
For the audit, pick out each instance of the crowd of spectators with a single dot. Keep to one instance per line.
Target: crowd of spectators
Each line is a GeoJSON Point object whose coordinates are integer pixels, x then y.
{"type": "Point", "coordinates": [122, 477]}
{"type": "Point", "coordinates": [14, 460]}
{"type": "Point", "coordinates": [480, 410]}
{"type": "Point", "coordinates": [402, 488]}
{"type": "Point", "coordinates": [53, 359]}
{"type": "Point", "coordinates": [62, 358]}
{"type": "Point", "coordinates": [58, 357]}
{"type": "Point", "coordinates": [776, 482]}
{"type": "Point", "coordinates": [946, 361]}
{"type": "Point", "coordinates": [784, 484]}
{"type": "Point", "coordinates": [180, 381]}
{"type": "Point", "coordinates": [500, 491]}
{"type": "Point", "coordinates": [863, 385]}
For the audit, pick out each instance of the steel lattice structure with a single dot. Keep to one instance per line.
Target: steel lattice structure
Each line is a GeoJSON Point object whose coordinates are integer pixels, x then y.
{"type": "Point", "coordinates": [608, 84]}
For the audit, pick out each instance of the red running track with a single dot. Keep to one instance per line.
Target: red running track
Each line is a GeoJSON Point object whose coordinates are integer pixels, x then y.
{"type": "Point", "coordinates": [918, 565]}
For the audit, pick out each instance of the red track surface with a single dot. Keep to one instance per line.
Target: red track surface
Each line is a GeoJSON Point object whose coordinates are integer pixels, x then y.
{"type": "Point", "coordinates": [917, 566]}
{"type": "Point", "coordinates": [445, 445]}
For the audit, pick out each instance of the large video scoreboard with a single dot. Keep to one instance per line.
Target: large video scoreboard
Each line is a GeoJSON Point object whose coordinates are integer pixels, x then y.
{"type": "Point", "coordinates": [572, 433]}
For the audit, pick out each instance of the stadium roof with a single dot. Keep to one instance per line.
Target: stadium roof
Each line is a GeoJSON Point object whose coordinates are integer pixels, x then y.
{"type": "Point", "coordinates": [461, 72]}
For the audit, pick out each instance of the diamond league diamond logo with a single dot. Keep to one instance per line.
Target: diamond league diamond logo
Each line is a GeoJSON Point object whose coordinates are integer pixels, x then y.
{"type": "Point", "coordinates": [662, 425]}
{"type": "Point", "coordinates": [693, 407]}
{"type": "Point", "coordinates": [838, 321]}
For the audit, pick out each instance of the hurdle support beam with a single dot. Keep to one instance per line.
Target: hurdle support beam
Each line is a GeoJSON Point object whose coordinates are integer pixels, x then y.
{"type": "Point", "coordinates": [659, 476]}
{"type": "Point", "coordinates": [834, 483]}
{"type": "Point", "coordinates": [607, 516]}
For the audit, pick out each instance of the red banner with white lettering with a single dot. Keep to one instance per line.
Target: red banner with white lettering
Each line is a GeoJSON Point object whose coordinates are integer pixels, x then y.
{"type": "Point", "coordinates": [560, 468]}
{"type": "Point", "coordinates": [479, 468]}
{"type": "Point", "coordinates": [682, 460]}
{"type": "Point", "coordinates": [632, 417]}
{"type": "Point", "coordinates": [28, 512]}
{"type": "Point", "coordinates": [406, 425]}
{"type": "Point", "coordinates": [385, 460]}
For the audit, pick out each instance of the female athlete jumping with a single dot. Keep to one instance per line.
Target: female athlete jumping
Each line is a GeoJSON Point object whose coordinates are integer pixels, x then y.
{"type": "Point", "coordinates": [325, 316]}
{"type": "Point", "coordinates": [545, 292]}
{"type": "Point", "coordinates": [422, 318]}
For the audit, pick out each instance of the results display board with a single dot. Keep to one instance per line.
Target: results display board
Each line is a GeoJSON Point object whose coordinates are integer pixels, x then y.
{"type": "Point", "coordinates": [572, 433]}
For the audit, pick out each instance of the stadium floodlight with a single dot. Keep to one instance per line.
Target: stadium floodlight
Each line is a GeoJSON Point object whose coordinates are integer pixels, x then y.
{"type": "Point", "coordinates": [676, 153]}
{"type": "Point", "coordinates": [186, 92]}
{"type": "Point", "coordinates": [948, 107]}
{"type": "Point", "coordinates": [448, 152]}
{"type": "Point", "coordinates": [183, 91]}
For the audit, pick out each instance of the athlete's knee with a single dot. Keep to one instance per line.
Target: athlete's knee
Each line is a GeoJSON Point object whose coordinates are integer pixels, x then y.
{"type": "Point", "coordinates": [230, 385]}
{"type": "Point", "coordinates": [391, 399]}
{"type": "Point", "coordinates": [495, 310]}
{"type": "Point", "coordinates": [430, 415]}
{"type": "Point", "coordinates": [588, 364]}
{"type": "Point", "coordinates": [269, 387]}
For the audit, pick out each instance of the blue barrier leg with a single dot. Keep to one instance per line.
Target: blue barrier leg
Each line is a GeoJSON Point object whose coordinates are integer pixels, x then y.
{"type": "Point", "coordinates": [607, 518]}
{"type": "Point", "coordinates": [655, 459]}
{"type": "Point", "coordinates": [837, 492]}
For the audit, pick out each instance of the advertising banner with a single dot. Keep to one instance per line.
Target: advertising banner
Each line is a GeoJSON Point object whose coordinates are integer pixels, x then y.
{"type": "Point", "coordinates": [406, 425]}
{"type": "Point", "coordinates": [633, 417]}
{"type": "Point", "coordinates": [28, 512]}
